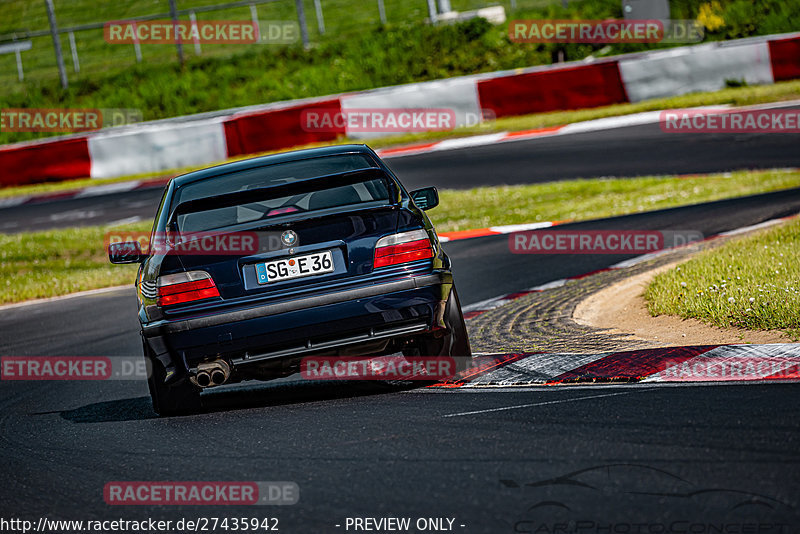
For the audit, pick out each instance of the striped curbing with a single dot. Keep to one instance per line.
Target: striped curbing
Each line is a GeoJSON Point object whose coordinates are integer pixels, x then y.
{"type": "Point", "coordinates": [695, 364]}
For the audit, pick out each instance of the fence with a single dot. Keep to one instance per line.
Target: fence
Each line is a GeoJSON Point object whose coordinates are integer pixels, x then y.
{"type": "Point", "coordinates": [28, 49]}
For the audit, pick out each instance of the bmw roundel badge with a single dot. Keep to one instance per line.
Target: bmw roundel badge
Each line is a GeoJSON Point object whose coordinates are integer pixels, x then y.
{"type": "Point", "coordinates": [289, 238]}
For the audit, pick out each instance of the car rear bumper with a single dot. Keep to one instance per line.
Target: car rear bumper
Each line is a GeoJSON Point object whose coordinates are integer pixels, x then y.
{"type": "Point", "coordinates": [324, 322]}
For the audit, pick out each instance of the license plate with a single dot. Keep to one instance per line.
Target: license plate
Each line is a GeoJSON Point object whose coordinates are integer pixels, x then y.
{"type": "Point", "coordinates": [295, 267]}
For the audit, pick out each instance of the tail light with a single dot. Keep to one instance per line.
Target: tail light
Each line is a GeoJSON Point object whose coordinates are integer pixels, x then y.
{"type": "Point", "coordinates": [403, 248]}
{"type": "Point", "coordinates": [185, 287]}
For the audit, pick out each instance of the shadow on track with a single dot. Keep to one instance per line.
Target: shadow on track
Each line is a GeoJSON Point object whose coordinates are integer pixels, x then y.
{"type": "Point", "coordinates": [252, 395]}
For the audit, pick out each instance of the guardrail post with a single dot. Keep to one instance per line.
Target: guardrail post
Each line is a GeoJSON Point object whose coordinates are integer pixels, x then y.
{"type": "Point", "coordinates": [382, 12]}
{"type": "Point", "coordinates": [196, 33]}
{"type": "Point", "coordinates": [76, 65]}
{"type": "Point", "coordinates": [432, 11]}
{"type": "Point", "coordinates": [301, 18]}
{"type": "Point", "coordinates": [137, 48]}
{"type": "Point", "coordinates": [173, 11]}
{"type": "Point", "coordinates": [20, 72]}
{"type": "Point", "coordinates": [320, 17]}
{"type": "Point", "coordinates": [51, 16]}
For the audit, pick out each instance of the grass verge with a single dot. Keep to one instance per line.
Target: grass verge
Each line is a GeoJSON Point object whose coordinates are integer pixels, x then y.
{"type": "Point", "coordinates": [752, 282]}
{"type": "Point", "coordinates": [738, 96]}
{"type": "Point", "coordinates": [58, 262]}
{"type": "Point", "coordinates": [596, 198]}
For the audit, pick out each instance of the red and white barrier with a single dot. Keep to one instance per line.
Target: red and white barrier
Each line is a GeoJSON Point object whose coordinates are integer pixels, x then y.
{"type": "Point", "coordinates": [785, 58]}
{"type": "Point", "coordinates": [275, 128]}
{"type": "Point", "coordinates": [552, 89]}
{"type": "Point", "coordinates": [197, 141]}
{"type": "Point", "coordinates": [695, 68]}
{"type": "Point", "coordinates": [44, 161]}
{"type": "Point", "coordinates": [457, 94]}
{"type": "Point", "coordinates": [156, 147]}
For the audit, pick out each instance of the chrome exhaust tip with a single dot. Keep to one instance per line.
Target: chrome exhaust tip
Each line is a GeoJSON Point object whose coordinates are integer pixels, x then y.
{"type": "Point", "coordinates": [210, 374]}
{"type": "Point", "coordinates": [203, 379]}
{"type": "Point", "coordinates": [218, 377]}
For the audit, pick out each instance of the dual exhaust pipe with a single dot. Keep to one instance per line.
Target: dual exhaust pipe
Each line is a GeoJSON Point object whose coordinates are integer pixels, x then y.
{"type": "Point", "coordinates": [210, 374]}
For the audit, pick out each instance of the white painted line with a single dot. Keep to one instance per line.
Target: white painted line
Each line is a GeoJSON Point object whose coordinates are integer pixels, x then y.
{"type": "Point", "coordinates": [119, 187]}
{"type": "Point", "coordinates": [13, 201]}
{"type": "Point", "coordinates": [549, 285]}
{"type": "Point", "coordinates": [532, 405]}
{"type": "Point", "coordinates": [745, 229]}
{"type": "Point", "coordinates": [609, 123]}
{"type": "Point", "coordinates": [64, 297]}
{"type": "Point", "coordinates": [487, 304]}
{"type": "Point", "coordinates": [122, 222]}
{"type": "Point", "coordinates": [511, 228]}
{"type": "Point", "coordinates": [639, 259]}
{"type": "Point", "coordinates": [465, 142]}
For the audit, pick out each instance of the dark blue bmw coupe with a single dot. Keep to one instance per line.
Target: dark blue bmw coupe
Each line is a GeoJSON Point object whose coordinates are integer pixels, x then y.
{"type": "Point", "coordinates": [312, 252]}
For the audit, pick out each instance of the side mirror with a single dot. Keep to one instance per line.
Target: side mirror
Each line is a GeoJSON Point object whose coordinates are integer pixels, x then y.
{"type": "Point", "coordinates": [127, 252]}
{"type": "Point", "coordinates": [425, 198]}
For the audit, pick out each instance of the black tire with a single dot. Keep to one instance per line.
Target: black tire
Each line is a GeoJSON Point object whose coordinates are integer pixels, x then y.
{"type": "Point", "coordinates": [455, 341]}
{"type": "Point", "coordinates": [181, 398]}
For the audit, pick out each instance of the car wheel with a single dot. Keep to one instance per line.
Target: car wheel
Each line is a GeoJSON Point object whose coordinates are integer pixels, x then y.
{"type": "Point", "coordinates": [182, 398]}
{"type": "Point", "coordinates": [455, 342]}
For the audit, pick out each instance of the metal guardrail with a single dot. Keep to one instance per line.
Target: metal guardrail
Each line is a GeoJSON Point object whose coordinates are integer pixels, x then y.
{"type": "Point", "coordinates": [141, 18]}
{"type": "Point", "coordinates": [85, 45]}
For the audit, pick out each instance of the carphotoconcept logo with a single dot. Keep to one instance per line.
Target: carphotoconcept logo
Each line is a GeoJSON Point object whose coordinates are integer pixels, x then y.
{"type": "Point", "coordinates": [605, 31]}
{"type": "Point", "coordinates": [65, 120]}
{"type": "Point", "coordinates": [200, 493]}
{"type": "Point", "coordinates": [599, 241]}
{"type": "Point", "coordinates": [722, 121]}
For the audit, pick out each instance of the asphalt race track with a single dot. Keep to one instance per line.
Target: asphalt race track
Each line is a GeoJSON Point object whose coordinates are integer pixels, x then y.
{"type": "Point", "coordinates": [628, 151]}
{"type": "Point", "coordinates": [608, 458]}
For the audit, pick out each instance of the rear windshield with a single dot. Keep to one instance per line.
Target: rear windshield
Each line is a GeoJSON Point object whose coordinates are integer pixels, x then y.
{"type": "Point", "coordinates": [272, 175]}
{"type": "Point", "coordinates": [363, 192]}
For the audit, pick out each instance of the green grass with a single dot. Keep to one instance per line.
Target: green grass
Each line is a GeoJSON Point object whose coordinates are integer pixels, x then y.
{"type": "Point", "coordinates": [596, 198]}
{"type": "Point", "coordinates": [356, 53]}
{"type": "Point", "coordinates": [58, 262]}
{"type": "Point", "coordinates": [752, 282]}
{"type": "Point", "coordinates": [740, 96]}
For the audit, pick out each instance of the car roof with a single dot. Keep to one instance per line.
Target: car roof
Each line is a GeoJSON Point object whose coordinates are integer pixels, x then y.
{"type": "Point", "coordinates": [272, 159]}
